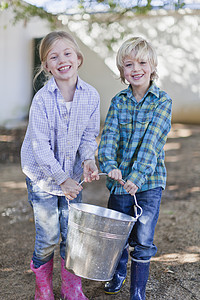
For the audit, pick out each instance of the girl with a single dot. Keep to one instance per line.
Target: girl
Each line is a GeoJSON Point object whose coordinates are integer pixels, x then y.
{"type": "Point", "coordinates": [59, 146]}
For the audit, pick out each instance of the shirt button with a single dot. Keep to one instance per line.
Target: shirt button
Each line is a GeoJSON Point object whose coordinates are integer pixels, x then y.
{"type": "Point", "coordinates": [68, 158]}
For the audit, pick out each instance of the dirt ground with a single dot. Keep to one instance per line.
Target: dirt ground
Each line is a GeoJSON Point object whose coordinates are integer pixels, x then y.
{"type": "Point", "coordinates": [174, 271]}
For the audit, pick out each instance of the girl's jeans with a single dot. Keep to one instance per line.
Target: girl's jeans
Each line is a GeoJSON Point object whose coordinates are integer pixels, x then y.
{"type": "Point", "coordinates": [51, 219]}
{"type": "Point", "coordinates": [142, 235]}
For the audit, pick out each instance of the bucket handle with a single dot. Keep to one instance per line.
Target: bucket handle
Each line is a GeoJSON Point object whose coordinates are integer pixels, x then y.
{"type": "Point", "coordinates": [136, 206]}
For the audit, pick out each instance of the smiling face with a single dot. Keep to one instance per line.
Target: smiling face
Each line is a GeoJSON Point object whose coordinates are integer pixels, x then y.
{"type": "Point", "coordinates": [137, 62]}
{"type": "Point", "coordinates": [137, 71]}
{"type": "Point", "coordinates": [62, 61]}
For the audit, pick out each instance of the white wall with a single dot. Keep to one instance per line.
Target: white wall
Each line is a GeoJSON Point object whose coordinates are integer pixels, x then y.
{"type": "Point", "coordinates": [95, 72]}
{"type": "Point", "coordinates": [16, 63]}
{"type": "Point", "coordinates": [176, 38]}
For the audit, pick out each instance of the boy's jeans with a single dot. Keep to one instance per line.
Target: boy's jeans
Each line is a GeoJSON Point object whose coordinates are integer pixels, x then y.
{"type": "Point", "coordinates": [51, 219]}
{"type": "Point", "coordinates": [142, 235]}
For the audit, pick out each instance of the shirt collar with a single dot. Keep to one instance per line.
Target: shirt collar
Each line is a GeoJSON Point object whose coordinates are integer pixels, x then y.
{"type": "Point", "coordinates": [52, 85]}
{"type": "Point", "coordinates": [153, 89]}
{"type": "Point", "coordinates": [81, 85]}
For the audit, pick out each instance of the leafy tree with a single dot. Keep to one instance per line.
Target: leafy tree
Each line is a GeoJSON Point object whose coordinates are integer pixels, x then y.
{"type": "Point", "coordinates": [114, 20]}
{"type": "Point", "coordinates": [24, 11]}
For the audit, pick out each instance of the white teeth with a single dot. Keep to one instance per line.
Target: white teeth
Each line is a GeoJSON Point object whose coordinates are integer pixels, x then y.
{"type": "Point", "coordinates": [64, 68]}
{"type": "Point", "coordinates": [137, 76]}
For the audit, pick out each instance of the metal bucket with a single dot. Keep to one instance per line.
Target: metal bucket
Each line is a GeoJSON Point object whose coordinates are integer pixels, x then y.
{"type": "Point", "coordinates": [95, 240]}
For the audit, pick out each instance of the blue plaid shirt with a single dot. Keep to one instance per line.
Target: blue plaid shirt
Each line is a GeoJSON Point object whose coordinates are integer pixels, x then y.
{"type": "Point", "coordinates": [56, 142]}
{"type": "Point", "coordinates": [133, 138]}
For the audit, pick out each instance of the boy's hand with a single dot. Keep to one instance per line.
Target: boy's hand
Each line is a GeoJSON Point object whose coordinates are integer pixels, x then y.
{"type": "Point", "coordinates": [70, 188]}
{"type": "Point", "coordinates": [130, 187]}
{"type": "Point", "coordinates": [90, 171]}
{"type": "Point", "coordinates": [116, 175]}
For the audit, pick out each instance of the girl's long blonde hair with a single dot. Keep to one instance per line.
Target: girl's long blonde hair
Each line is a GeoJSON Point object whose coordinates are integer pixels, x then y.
{"type": "Point", "coordinates": [46, 45]}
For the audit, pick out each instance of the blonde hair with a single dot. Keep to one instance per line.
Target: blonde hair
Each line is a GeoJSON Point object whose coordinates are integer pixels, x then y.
{"type": "Point", "coordinates": [143, 50]}
{"type": "Point", "coordinates": [46, 44]}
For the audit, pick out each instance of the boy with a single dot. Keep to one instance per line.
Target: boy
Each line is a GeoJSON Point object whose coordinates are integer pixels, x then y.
{"type": "Point", "coordinates": [131, 148]}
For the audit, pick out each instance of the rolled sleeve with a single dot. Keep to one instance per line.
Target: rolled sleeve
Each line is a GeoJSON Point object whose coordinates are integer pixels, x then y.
{"type": "Point", "coordinates": [88, 144]}
{"type": "Point", "coordinates": [107, 152]}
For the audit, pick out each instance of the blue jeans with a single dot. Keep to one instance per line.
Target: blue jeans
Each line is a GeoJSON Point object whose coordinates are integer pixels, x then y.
{"type": "Point", "coordinates": [142, 234]}
{"type": "Point", "coordinates": [51, 221]}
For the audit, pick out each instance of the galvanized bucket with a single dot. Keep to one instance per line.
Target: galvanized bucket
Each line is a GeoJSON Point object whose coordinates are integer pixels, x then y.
{"type": "Point", "coordinates": [95, 240]}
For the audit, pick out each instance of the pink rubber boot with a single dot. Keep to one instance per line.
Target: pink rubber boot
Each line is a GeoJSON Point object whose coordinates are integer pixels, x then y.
{"type": "Point", "coordinates": [43, 282]}
{"type": "Point", "coordinates": [71, 288]}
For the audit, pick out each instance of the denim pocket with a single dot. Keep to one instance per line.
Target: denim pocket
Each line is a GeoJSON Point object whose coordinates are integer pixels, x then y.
{"type": "Point", "coordinates": [34, 192]}
{"type": "Point", "coordinates": [29, 190]}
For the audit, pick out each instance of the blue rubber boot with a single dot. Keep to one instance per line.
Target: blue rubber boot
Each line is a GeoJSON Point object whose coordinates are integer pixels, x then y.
{"type": "Point", "coordinates": [139, 277]}
{"type": "Point", "coordinates": [114, 286]}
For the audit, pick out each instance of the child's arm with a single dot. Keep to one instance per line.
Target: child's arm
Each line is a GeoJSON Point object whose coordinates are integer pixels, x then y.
{"type": "Point", "coordinates": [88, 144]}
{"type": "Point", "coordinates": [39, 132]}
{"type": "Point", "coordinates": [107, 152]}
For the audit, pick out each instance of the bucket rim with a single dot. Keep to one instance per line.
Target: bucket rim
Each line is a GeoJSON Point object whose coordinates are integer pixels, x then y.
{"type": "Point", "coordinates": [128, 217]}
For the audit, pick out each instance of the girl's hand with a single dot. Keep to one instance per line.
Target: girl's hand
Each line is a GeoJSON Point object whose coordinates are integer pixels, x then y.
{"type": "Point", "coordinates": [130, 187]}
{"type": "Point", "coordinates": [116, 175]}
{"type": "Point", "coordinates": [70, 188]}
{"type": "Point", "coordinates": [90, 170]}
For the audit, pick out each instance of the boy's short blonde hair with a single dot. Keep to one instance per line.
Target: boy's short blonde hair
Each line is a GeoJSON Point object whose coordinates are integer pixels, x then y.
{"type": "Point", "coordinates": [143, 50]}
